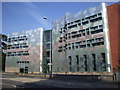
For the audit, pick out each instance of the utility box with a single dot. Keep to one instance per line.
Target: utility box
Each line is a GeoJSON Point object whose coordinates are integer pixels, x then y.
{"type": "Point", "coordinates": [117, 76]}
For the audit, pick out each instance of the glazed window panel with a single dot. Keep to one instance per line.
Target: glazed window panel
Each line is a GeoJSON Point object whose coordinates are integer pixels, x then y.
{"type": "Point", "coordinates": [103, 61]}
{"type": "Point", "coordinates": [94, 61]}
{"type": "Point", "coordinates": [77, 62]}
{"type": "Point", "coordinates": [70, 63]}
{"type": "Point", "coordinates": [85, 62]}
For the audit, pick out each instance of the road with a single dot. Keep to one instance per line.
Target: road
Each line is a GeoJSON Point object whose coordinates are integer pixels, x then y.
{"type": "Point", "coordinates": [14, 81]}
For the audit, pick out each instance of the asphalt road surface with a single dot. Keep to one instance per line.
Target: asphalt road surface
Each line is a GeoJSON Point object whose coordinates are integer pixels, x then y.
{"type": "Point", "coordinates": [22, 82]}
{"type": "Point", "coordinates": [12, 84]}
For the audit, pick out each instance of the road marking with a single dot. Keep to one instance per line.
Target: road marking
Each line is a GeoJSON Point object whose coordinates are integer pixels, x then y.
{"type": "Point", "coordinates": [24, 79]}
{"type": "Point", "coordinates": [69, 83]}
{"type": "Point", "coordinates": [9, 84]}
{"type": "Point", "coordinates": [14, 86]}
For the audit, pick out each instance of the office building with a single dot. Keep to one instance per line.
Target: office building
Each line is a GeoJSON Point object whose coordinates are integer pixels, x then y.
{"type": "Point", "coordinates": [87, 41]}
{"type": "Point", "coordinates": [24, 51]}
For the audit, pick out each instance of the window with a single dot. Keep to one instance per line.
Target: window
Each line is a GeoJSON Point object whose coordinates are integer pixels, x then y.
{"type": "Point", "coordinates": [22, 61]}
{"type": "Point", "coordinates": [82, 46]}
{"type": "Point", "coordinates": [69, 48]}
{"type": "Point", "coordinates": [94, 62]}
{"type": "Point", "coordinates": [19, 53]}
{"type": "Point", "coordinates": [103, 61]}
{"type": "Point", "coordinates": [94, 18]}
{"type": "Point", "coordinates": [79, 24]}
{"type": "Point", "coordinates": [88, 45]}
{"type": "Point", "coordinates": [74, 32]}
{"type": "Point", "coordinates": [99, 14]}
{"type": "Point", "coordinates": [100, 26]}
{"type": "Point", "coordinates": [99, 41]}
{"type": "Point", "coordinates": [77, 21]}
{"type": "Point", "coordinates": [72, 26]}
{"type": "Point", "coordinates": [83, 19]}
{"type": "Point", "coordinates": [72, 45]}
{"type": "Point", "coordinates": [25, 46]}
{"type": "Point", "coordinates": [70, 63]}
{"type": "Point", "coordinates": [25, 53]}
{"type": "Point", "coordinates": [16, 46]}
{"type": "Point", "coordinates": [83, 34]}
{"type": "Point", "coordinates": [77, 62]}
{"type": "Point", "coordinates": [27, 61]}
{"type": "Point", "coordinates": [9, 46]}
{"type": "Point", "coordinates": [60, 49]}
{"type": "Point", "coordinates": [9, 39]}
{"type": "Point", "coordinates": [64, 30]}
{"type": "Point", "coordinates": [87, 31]}
{"type": "Point", "coordinates": [69, 37]}
{"type": "Point", "coordinates": [85, 22]}
{"type": "Point", "coordinates": [97, 31]}
{"type": "Point", "coordinates": [65, 48]}
{"type": "Point", "coordinates": [68, 23]}
{"type": "Point", "coordinates": [60, 40]}
{"type": "Point", "coordinates": [85, 61]}
{"type": "Point", "coordinates": [76, 47]}
{"type": "Point", "coordinates": [71, 22]}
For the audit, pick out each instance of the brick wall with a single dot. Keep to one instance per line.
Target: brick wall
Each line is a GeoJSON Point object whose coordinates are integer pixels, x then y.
{"type": "Point", "coordinates": [113, 18]}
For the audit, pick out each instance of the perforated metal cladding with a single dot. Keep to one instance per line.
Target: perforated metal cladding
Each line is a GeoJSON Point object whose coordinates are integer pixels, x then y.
{"type": "Point", "coordinates": [62, 31]}
{"type": "Point", "coordinates": [34, 42]}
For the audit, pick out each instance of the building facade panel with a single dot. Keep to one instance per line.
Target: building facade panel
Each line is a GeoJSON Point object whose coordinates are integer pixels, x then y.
{"type": "Point", "coordinates": [25, 50]}
{"type": "Point", "coordinates": [79, 42]}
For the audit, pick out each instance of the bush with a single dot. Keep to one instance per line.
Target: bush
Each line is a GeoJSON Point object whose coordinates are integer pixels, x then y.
{"type": "Point", "coordinates": [117, 68]}
{"type": "Point", "coordinates": [16, 73]}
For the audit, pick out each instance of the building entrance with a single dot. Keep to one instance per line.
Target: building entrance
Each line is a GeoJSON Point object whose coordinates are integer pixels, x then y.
{"type": "Point", "coordinates": [23, 66]}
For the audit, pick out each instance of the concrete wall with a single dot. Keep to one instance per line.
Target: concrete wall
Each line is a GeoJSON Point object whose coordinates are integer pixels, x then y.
{"type": "Point", "coordinates": [12, 69]}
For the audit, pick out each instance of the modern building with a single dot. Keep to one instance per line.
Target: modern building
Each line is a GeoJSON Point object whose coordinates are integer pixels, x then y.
{"type": "Point", "coordinates": [47, 60]}
{"type": "Point", "coordinates": [87, 41]}
{"type": "Point", "coordinates": [3, 47]}
{"type": "Point", "coordinates": [24, 51]}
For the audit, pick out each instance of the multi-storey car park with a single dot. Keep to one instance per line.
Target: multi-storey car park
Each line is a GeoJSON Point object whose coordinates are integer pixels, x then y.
{"type": "Point", "coordinates": [24, 51]}
{"type": "Point", "coordinates": [82, 42]}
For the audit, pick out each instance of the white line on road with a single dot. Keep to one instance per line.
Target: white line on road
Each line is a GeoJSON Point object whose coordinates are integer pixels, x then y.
{"type": "Point", "coordinates": [9, 84]}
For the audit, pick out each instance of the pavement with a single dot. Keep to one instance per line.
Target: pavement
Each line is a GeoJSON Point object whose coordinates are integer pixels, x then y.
{"type": "Point", "coordinates": [39, 80]}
